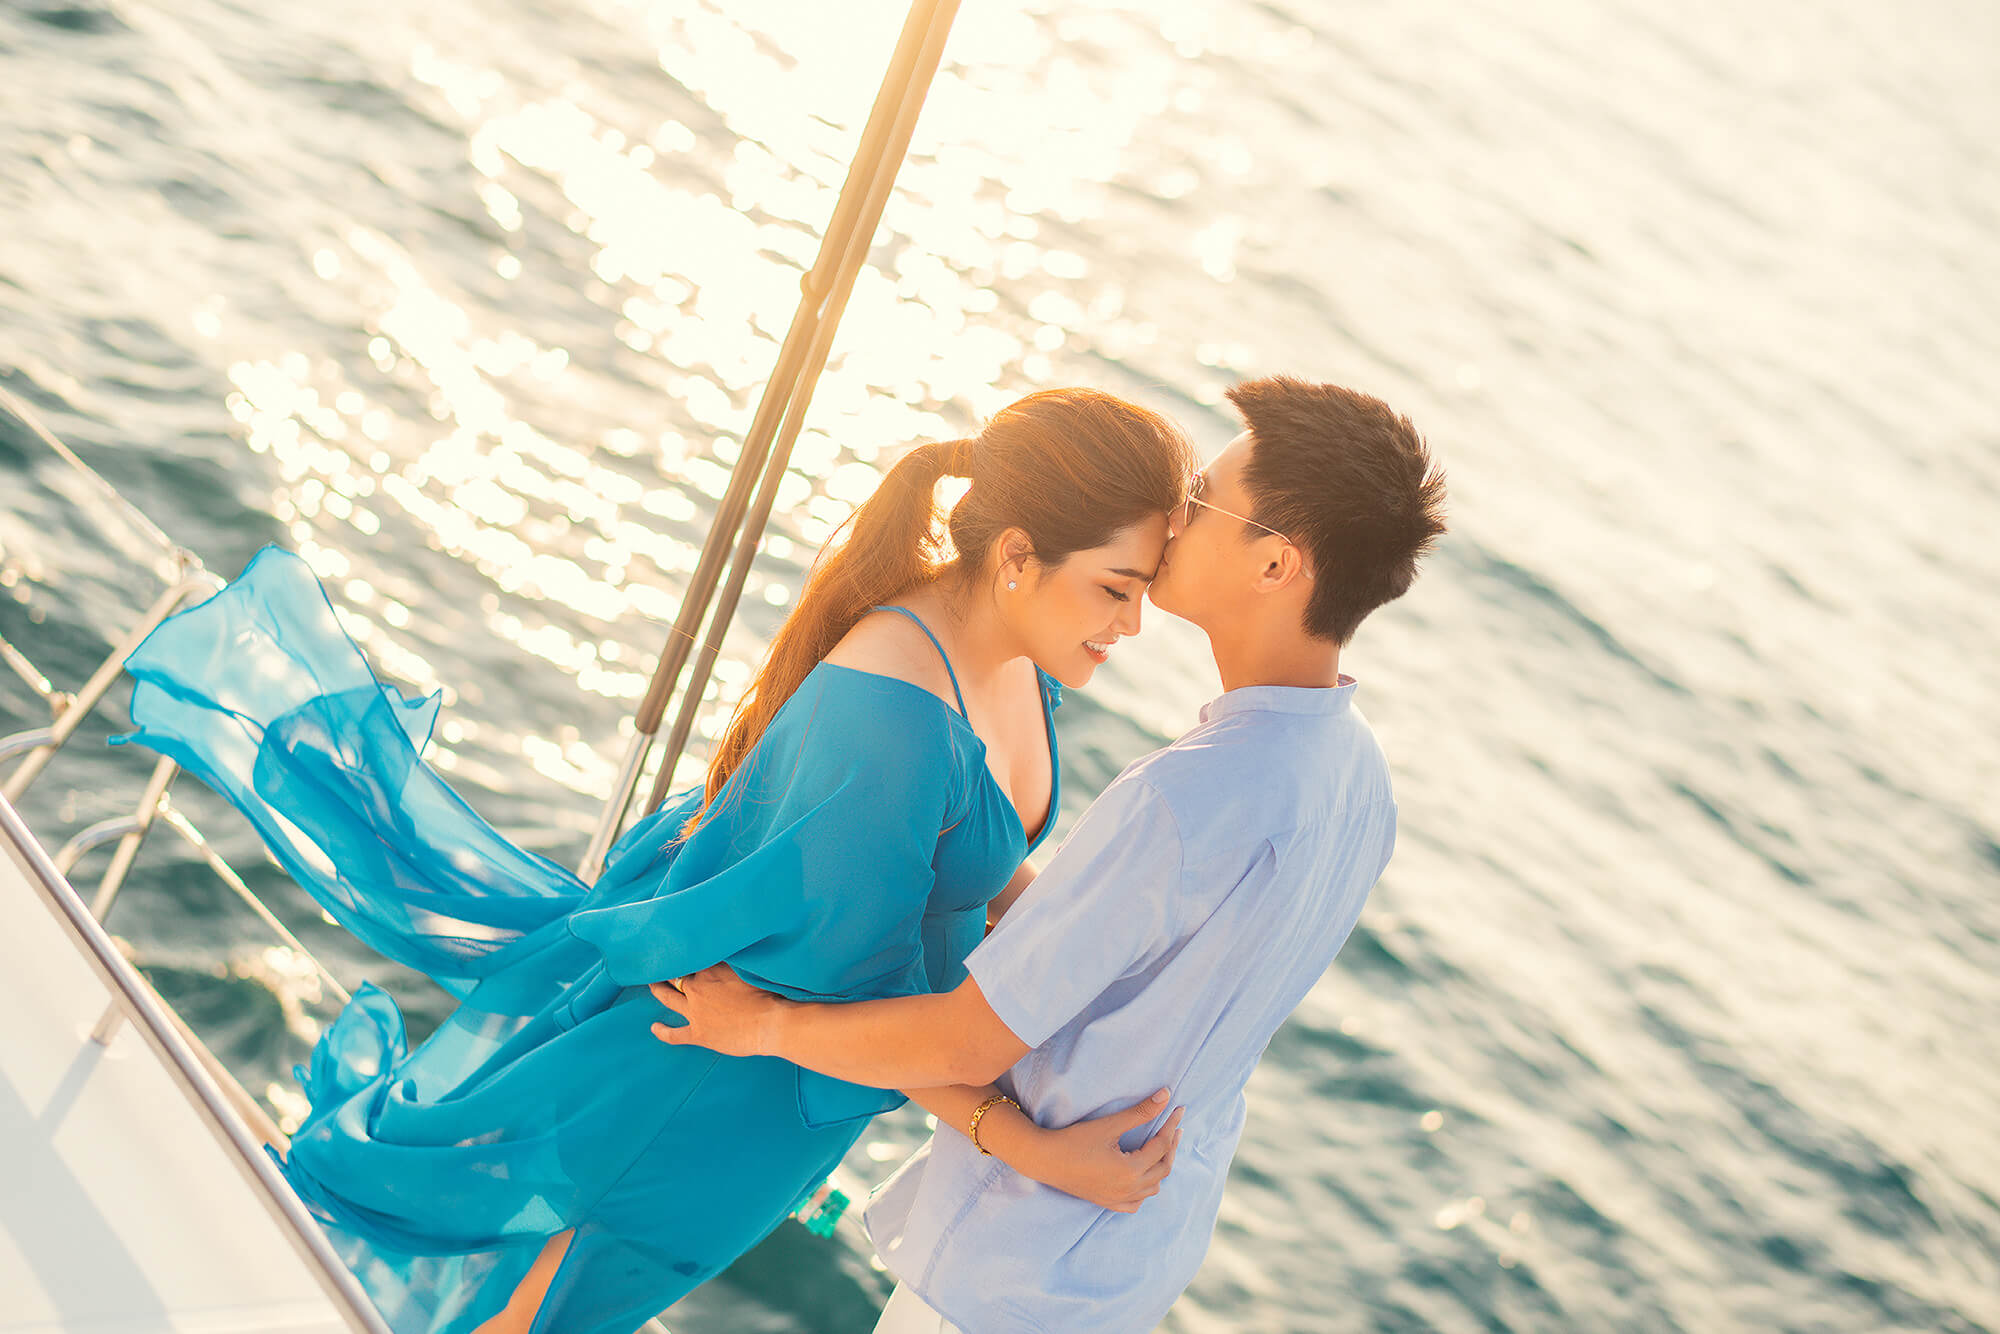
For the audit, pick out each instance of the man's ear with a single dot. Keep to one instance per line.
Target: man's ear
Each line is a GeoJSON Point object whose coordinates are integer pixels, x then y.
{"type": "Point", "coordinates": [1282, 569]}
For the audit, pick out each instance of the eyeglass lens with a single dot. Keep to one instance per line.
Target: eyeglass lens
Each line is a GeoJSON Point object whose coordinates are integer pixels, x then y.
{"type": "Point", "coordinates": [1195, 489]}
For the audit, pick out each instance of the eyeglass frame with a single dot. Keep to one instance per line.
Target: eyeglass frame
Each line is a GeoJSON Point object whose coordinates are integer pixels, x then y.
{"type": "Point", "coordinates": [1194, 498]}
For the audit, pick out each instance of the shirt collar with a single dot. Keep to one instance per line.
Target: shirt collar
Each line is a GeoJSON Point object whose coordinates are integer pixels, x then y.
{"type": "Point", "coordinates": [1322, 701]}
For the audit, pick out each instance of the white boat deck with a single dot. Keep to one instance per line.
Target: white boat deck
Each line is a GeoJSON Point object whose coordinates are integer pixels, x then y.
{"type": "Point", "coordinates": [121, 1208]}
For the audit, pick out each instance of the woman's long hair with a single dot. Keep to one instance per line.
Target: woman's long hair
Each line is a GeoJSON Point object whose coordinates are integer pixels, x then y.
{"type": "Point", "coordinates": [1069, 467]}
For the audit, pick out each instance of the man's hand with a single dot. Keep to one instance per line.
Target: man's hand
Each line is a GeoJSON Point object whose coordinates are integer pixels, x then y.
{"type": "Point", "coordinates": [723, 1012]}
{"type": "Point", "coordinates": [1084, 1159]}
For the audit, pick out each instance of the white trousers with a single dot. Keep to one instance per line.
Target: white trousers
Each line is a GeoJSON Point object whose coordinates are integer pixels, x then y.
{"type": "Point", "coordinates": [906, 1313]}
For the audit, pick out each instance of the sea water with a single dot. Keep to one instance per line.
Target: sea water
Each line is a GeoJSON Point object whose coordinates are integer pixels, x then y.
{"type": "Point", "coordinates": [1675, 1010]}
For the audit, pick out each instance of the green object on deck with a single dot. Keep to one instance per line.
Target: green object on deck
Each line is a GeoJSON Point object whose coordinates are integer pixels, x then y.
{"type": "Point", "coordinates": [820, 1211]}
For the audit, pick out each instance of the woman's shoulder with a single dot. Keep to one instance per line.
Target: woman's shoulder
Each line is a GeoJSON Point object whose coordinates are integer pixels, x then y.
{"type": "Point", "coordinates": [859, 708]}
{"type": "Point", "coordinates": [889, 644]}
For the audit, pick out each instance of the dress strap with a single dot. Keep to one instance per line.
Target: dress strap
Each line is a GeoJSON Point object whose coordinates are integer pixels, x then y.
{"type": "Point", "coordinates": [945, 657]}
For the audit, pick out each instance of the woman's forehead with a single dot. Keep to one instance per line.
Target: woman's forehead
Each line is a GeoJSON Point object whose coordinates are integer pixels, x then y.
{"type": "Point", "coordinates": [1136, 547]}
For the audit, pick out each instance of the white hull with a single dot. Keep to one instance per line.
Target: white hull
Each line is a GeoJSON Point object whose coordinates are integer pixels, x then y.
{"type": "Point", "coordinates": [123, 1205]}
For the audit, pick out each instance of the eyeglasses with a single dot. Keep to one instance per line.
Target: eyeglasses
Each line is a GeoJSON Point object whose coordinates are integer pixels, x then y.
{"type": "Point", "coordinates": [1186, 515]}
{"type": "Point", "coordinates": [1194, 498]}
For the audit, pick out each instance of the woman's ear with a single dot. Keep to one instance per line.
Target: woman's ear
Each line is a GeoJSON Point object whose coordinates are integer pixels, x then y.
{"type": "Point", "coordinates": [1013, 550]}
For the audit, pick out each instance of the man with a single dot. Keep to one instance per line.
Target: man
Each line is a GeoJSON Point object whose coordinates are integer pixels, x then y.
{"type": "Point", "coordinates": [1198, 900]}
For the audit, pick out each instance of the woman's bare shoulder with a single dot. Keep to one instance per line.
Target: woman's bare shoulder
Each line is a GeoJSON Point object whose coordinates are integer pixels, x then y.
{"type": "Point", "coordinates": [887, 643]}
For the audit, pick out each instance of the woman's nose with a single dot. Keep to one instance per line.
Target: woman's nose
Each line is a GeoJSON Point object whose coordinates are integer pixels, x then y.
{"type": "Point", "coordinates": [1128, 616]}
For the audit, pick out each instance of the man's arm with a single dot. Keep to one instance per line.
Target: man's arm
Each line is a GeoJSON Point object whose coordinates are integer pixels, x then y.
{"type": "Point", "coordinates": [903, 1042]}
{"type": "Point", "coordinates": [875, 1042]}
{"type": "Point", "coordinates": [1106, 905]}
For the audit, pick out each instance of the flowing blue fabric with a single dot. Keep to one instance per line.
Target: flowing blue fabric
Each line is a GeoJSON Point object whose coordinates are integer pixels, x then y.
{"type": "Point", "coordinates": [850, 856]}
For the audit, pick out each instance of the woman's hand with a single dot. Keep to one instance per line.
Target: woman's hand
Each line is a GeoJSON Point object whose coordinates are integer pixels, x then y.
{"type": "Point", "coordinates": [1084, 1159]}
{"type": "Point", "coordinates": [723, 1012]}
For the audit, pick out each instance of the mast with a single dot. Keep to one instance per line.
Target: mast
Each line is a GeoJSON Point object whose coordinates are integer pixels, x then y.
{"type": "Point", "coordinates": [767, 449]}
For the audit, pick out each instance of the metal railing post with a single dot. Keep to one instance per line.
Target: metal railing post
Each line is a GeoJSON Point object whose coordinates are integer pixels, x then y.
{"type": "Point", "coordinates": [155, 1024]}
{"type": "Point", "coordinates": [100, 681]}
{"type": "Point", "coordinates": [128, 847]}
{"type": "Point", "coordinates": [122, 857]}
{"type": "Point", "coordinates": [27, 671]}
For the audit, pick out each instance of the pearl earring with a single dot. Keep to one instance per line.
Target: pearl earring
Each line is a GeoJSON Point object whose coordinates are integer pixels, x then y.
{"type": "Point", "coordinates": [1011, 585]}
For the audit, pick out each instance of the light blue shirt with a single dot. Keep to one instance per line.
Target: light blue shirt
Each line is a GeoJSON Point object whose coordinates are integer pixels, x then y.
{"type": "Point", "coordinates": [1198, 900]}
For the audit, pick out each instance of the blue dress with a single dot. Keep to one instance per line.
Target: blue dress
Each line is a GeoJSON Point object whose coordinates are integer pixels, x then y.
{"type": "Point", "coordinates": [850, 856]}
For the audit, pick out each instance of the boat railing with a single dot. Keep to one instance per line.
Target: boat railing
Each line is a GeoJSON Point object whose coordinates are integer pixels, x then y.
{"type": "Point", "coordinates": [195, 1075]}
{"type": "Point", "coordinates": [232, 1116]}
{"type": "Point", "coordinates": [35, 747]}
{"type": "Point", "coordinates": [707, 607]}
{"type": "Point", "coordinates": [231, 1113]}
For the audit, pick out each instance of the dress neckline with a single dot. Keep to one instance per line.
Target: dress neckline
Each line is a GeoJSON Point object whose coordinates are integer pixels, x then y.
{"type": "Point", "coordinates": [1042, 681]}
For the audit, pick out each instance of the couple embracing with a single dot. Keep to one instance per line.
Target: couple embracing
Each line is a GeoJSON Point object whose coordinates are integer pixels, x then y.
{"type": "Point", "coordinates": [643, 1076]}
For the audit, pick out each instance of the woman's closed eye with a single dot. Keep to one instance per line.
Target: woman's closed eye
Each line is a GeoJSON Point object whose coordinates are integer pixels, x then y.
{"type": "Point", "coordinates": [1121, 596]}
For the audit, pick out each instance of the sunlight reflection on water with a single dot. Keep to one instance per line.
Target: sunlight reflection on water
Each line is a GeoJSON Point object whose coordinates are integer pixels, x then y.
{"type": "Point", "coordinates": [697, 246]}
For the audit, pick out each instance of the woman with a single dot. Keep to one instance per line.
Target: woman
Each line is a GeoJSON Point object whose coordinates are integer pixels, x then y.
{"type": "Point", "coordinates": [540, 1161]}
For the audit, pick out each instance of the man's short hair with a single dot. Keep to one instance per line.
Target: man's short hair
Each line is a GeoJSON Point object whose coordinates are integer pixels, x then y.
{"type": "Point", "coordinates": [1349, 481]}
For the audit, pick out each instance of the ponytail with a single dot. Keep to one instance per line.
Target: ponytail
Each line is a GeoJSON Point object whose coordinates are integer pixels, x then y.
{"type": "Point", "coordinates": [1069, 467]}
{"type": "Point", "coordinates": [893, 546]}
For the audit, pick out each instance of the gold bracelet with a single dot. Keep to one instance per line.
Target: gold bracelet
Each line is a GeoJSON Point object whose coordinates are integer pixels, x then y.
{"type": "Point", "coordinates": [972, 1131]}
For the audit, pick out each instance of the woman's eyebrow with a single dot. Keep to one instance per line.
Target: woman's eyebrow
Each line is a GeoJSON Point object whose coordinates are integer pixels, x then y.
{"type": "Point", "coordinates": [1134, 574]}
